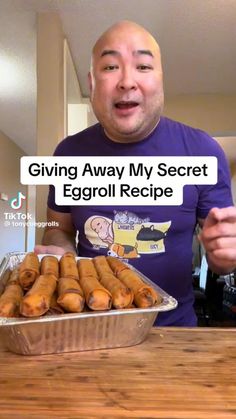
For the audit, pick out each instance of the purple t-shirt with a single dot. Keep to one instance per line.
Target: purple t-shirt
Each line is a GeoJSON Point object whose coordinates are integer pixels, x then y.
{"type": "Point", "coordinates": [157, 240]}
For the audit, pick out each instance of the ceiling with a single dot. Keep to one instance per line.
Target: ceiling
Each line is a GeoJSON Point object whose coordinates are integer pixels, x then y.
{"type": "Point", "coordinates": [197, 39]}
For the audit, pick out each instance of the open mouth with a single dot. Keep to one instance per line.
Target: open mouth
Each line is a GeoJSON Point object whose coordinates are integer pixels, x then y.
{"type": "Point", "coordinates": [126, 104]}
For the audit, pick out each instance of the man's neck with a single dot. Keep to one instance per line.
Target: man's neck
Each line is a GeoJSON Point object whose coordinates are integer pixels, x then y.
{"type": "Point", "coordinates": [128, 140]}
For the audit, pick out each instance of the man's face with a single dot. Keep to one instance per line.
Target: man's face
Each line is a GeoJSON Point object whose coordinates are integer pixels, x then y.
{"type": "Point", "coordinates": [126, 84]}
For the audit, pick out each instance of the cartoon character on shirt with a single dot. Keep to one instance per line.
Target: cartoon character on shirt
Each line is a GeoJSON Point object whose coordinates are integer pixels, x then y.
{"type": "Point", "coordinates": [103, 227]}
{"type": "Point", "coordinates": [127, 235]}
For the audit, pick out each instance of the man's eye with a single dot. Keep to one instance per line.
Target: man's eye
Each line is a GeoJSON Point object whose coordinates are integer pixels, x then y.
{"type": "Point", "coordinates": [144, 67]}
{"type": "Point", "coordinates": [111, 67]}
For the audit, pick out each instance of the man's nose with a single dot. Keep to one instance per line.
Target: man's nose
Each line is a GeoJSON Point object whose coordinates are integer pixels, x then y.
{"type": "Point", "coordinates": [127, 80]}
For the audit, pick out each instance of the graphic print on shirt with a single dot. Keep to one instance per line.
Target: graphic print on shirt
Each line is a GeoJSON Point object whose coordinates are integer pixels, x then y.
{"type": "Point", "coordinates": [126, 235]}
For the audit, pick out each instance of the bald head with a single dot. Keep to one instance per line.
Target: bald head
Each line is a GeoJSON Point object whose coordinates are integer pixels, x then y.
{"type": "Point", "coordinates": [124, 29]}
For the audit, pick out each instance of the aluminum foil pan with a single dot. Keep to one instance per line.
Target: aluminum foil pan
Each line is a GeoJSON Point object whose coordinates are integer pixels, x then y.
{"type": "Point", "coordinates": [79, 331]}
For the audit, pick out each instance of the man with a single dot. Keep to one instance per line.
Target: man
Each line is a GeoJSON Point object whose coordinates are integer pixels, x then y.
{"type": "Point", "coordinates": [127, 98]}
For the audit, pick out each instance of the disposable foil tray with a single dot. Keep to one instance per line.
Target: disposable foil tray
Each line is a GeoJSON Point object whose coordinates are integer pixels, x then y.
{"type": "Point", "coordinates": [77, 331]}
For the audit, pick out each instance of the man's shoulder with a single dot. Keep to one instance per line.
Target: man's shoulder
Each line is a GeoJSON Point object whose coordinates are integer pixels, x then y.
{"type": "Point", "coordinates": [83, 138]}
{"type": "Point", "coordinates": [189, 133]}
{"type": "Point", "coordinates": [183, 127]}
{"type": "Point", "coordinates": [192, 140]}
{"type": "Point", "coordinates": [84, 134]}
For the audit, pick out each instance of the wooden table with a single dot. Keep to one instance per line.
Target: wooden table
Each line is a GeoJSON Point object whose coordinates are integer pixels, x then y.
{"type": "Point", "coordinates": [175, 374]}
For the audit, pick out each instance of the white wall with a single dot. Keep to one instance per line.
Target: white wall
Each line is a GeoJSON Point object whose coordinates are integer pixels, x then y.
{"type": "Point", "coordinates": [12, 238]}
{"type": "Point", "coordinates": [77, 118]}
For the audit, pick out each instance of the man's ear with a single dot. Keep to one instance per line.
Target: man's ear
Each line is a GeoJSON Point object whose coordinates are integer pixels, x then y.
{"type": "Point", "coordinates": [90, 81]}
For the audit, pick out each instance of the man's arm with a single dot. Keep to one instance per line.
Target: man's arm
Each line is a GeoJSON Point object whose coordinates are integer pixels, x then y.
{"type": "Point", "coordinates": [218, 237]}
{"type": "Point", "coordinates": [58, 239]}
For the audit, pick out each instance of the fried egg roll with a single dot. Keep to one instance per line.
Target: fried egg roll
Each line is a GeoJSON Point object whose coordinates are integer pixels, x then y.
{"type": "Point", "coordinates": [116, 265]}
{"type": "Point", "coordinates": [144, 295]}
{"type": "Point", "coordinates": [70, 295]}
{"type": "Point", "coordinates": [10, 300]}
{"type": "Point", "coordinates": [37, 300]}
{"type": "Point", "coordinates": [86, 268]}
{"type": "Point", "coordinates": [96, 296]}
{"type": "Point", "coordinates": [14, 277]}
{"type": "Point", "coordinates": [54, 308]}
{"type": "Point", "coordinates": [28, 270]}
{"type": "Point", "coordinates": [101, 265]}
{"type": "Point", "coordinates": [68, 266]}
{"type": "Point", "coordinates": [122, 296]}
{"type": "Point", "coordinates": [49, 265]}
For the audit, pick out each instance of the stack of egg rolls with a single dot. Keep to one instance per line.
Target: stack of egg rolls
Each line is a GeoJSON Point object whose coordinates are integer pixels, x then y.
{"type": "Point", "coordinates": [56, 286]}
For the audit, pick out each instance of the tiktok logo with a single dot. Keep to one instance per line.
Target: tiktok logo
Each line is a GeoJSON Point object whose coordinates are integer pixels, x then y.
{"type": "Point", "coordinates": [16, 203]}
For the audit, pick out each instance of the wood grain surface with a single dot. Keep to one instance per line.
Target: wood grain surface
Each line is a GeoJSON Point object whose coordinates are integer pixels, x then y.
{"type": "Point", "coordinates": [175, 374]}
